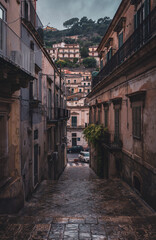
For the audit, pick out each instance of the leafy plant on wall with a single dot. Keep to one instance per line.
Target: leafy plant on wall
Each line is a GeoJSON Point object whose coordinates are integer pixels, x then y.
{"type": "Point", "coordinates": [95, 133]}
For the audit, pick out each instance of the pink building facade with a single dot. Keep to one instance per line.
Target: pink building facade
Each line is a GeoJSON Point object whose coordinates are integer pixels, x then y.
{"type": "Point", "coordinates": [123, 98]}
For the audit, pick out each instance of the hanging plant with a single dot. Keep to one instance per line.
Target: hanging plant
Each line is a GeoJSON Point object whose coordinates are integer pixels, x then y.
{"type": "Point", "coordinates": [95, 133]}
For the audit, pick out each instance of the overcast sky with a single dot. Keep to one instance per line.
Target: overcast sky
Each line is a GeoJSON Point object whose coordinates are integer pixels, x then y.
{"type": "Point", "coordinates": [56, 12]}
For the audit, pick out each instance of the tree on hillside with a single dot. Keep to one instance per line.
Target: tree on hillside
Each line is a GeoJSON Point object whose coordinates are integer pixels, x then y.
{"type": "Point", "coordinates": [84, 52]}
{"type": "Point", "coordinates": [103, 20]}
{"type": "Point", "coordinates": [83, 20]}
{"type": "Point", "coordinates": [69, 23]}
{"type": "Point", "coordinates": [89, 63]}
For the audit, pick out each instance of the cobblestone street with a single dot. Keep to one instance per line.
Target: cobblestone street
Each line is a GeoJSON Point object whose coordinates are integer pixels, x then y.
{"type": "Point", "coordinates": [81, 206]}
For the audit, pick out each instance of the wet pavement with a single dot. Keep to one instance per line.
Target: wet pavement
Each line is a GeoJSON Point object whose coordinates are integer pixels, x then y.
{"type": "Point", "coordinates": [81, 206]}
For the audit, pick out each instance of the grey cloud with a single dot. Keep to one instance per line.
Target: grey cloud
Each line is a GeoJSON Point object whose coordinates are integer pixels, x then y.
{"type": "Point", "coordinates": [58, 11]}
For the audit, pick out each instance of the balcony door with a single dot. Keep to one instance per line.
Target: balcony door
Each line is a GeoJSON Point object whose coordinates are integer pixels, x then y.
{"type": "Point", "coordinates": [74, 139]}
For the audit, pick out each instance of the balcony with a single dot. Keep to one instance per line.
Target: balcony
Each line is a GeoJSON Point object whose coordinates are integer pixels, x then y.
{"type": "Point", "coordinates": [140, 37]}
{"type": "Point", "coordinates": [17, 57]}
{"type": "Point", "coordinates": [57, 114]}
{"type": "Point", "coordinates": [112, 141]}
{"type": "Point", "coordinates": [63, 114]}
{"type": "Point", "coordinates": [32, 20]}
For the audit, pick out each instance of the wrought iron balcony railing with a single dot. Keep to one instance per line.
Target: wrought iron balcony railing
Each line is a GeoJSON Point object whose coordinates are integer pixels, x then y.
{"type": "Point", "coordinates": [113, 141]}
{"type": "Point", "coordinates": [139, 37]}
{"type": "Point", "coordinates": [56, 114]}
{"type": "Point", "coordinates": [14, 50]}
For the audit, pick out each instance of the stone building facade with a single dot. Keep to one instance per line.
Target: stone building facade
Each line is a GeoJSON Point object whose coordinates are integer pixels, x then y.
{"type": "Point", "coordinates": [78, 85]}
{"type": "Point", "coordinates": [123, 98]}
{"type": "Point", "coordinates": [94, 54]}
{"type": "Point", "coordinates": [65, 51]}
{"type": "Point", "coordinates": [33, 111]}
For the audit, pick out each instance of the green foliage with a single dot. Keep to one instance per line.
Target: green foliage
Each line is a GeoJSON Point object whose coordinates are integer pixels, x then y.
{"type": "Point", "coordinates": [70, 22]}
{"type": "Point", "coordinates": [84, 52]}
{"type": "Point", "coordinates": [89, 31]}
{"type": "Point", "coordinates": [67, 63]}
{"type": "Point", "coordinates": [94, 133]}
{"type": "Point", "coordinates": [89, 62]}
{"type": "Point", "coordinates": [69, 41]}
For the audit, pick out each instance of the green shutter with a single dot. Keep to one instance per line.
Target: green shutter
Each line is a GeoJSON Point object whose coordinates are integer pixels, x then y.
{"type": "Point", "coordinates": [74, 121]}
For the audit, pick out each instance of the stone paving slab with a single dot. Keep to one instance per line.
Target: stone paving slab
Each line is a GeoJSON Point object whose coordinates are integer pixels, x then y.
{"type": "Point", "coordinates": [81, 206]}
{"type": "Point", "coordinates": [110, 228]}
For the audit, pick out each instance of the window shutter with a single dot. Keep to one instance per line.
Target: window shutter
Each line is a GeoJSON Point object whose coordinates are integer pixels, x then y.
{"type": "Point", "coordinates": [74, 121]}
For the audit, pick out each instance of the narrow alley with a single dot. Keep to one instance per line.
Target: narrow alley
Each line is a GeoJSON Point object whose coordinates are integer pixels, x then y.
{"type": "Point", "coordinates": [81, 206]}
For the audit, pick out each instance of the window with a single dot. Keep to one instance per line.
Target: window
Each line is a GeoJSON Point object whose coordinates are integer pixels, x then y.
{"type": "Point", "coordinates": [88, 84]}
{"type": "Point", "coordinates": [35, 89]}
{"type": "Point", "coordinates": [120, 39]}
{"type": "Point", "coordinates": [94, 115]}
{"type": "Point", "coordinates": [2, 13]}
{"type": "Point", "coordinates": [49, 104]}
{"type": "Point", "coordinates": [49, 140]}
{"type": "Point", "coordinates": [106, 117]}
{"type": "Point", "coordinates": [68, 81]}
{"type": "Point", "coordinates": [136, 113]}
{"type": "Point", "coordinates": [26, 10]}
{"type": "Point", "coordinates": [141, 14]}
{"type": "Point", "coordinates": [31, 90]}
{"type": "Point", "coordinates": [116, 124]}
{"type": "Point", "coordinates": [2, 35]}
{"type": "Point", "coordinates": [99, 115]}
{"type": "Point", "coordinates": [79, 90]}
{"type": "Point", "coordinates": [74, 121]}
{"type": "Point", "coordinates": [32, 45]}
{"type": "Point", "coordinates": [109, 55]}
{"type": "Point", "coordinates": [36, 134]}
{"type": "Point", "coordinates": [88, 90]}
{"type": "Point", "coordinates": [74, 139]}
{"type": "Point", "coordinates": [84, 84]}
{"type": "Point", "coordinates": [72, 90]}
{"type": "Point", "coordinates": [74, 134]}
{"type": "Point", "coordinates": [56, 100]}
{"type": "Point", "coordinates": [74, 81]}
{"type": "Point", "coordinates": [3, 138]}
{"type": "Point", "coordinates": [78, 139]}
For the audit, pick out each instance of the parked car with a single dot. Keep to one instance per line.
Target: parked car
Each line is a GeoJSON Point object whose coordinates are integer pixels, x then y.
{"type": "Point", "coordinates": [75, 149]}
{"type": "Point", "coordinates": [84, 156]}
{"type": "Point", "coordinates": [87, 149]}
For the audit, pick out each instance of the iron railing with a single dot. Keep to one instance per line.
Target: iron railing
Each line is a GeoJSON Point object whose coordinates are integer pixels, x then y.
{"type": "Point", "coordinates": [113, 140]}
{"type": "Point", "coordinates": [139, 37]}
{"type": "Point", "coordinates": [12, 48]}
{"type": "Point", "coordinates": [55, 114]}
